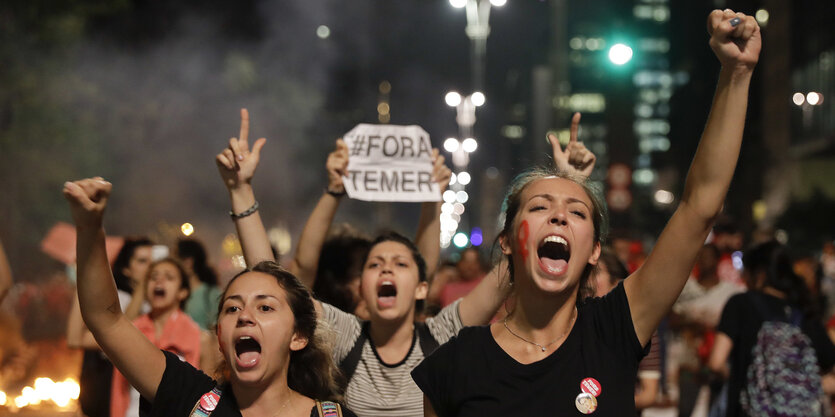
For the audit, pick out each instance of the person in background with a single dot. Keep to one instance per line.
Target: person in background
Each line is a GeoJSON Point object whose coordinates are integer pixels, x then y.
{"type": "Point", "coordinates": [201, 305]}
{"type": "Point", "coordinates": [339, 271]}
{"type": "Point", "coordinates": [775, 292]}
{"type": "Point", "coordinates": [447, 272]}
{"type": "Point", "coordinates": [470, 270]}
{"type": "Point", "coordinates": [695, 316]}
{"type": "Point", "coordinates": [166, 326]}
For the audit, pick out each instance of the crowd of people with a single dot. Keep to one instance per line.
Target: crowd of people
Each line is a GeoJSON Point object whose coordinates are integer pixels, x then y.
{"type": "Point", "coordinates": [565, 321]}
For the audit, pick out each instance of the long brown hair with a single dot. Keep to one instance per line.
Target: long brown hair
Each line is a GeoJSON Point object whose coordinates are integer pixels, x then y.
{"type": "Point", "coordinates": [513, 202]}
{"type": "Point", "coordinates": [311, 371]}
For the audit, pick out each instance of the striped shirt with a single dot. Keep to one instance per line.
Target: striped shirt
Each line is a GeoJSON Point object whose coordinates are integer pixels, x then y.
{"type": "Point", "coordinates": [376, 388]}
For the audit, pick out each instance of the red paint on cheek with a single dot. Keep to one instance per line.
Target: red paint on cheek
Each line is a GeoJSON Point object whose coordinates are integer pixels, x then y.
{"type": "Point", "coordinates": [522, 239]}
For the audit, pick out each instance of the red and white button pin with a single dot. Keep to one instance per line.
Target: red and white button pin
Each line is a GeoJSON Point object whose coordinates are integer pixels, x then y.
{"type": "Point", "coordinates": [586, 401]}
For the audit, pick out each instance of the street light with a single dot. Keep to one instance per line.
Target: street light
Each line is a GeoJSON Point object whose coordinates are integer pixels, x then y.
{"type": "Point", "coordinates": [478, 98]}
{"type": "Point", "coordinates": [620, 54]}
{"type": "Point", "coordinates": [452, 98]}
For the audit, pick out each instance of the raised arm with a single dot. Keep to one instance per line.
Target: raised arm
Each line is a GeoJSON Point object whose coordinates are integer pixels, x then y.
{"type": "Point", "coordinates": [129, 350]}
{"type": "Point", "coordinates": [652, 289]}
{"type": "Point", "coordinates": [237, 164]}
{"type": "Point", "coordinates": [428, 236]}
{"type": "Point", "coordinates": [315, 232]}
{"type": "Point", "coordinates": [5, 274]}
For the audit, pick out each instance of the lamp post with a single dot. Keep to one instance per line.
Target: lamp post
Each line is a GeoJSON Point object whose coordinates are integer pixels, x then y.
{"type": "Point", "coordinates": [478, 29]}
{"type": "Point", "coordinates": [478, 14]}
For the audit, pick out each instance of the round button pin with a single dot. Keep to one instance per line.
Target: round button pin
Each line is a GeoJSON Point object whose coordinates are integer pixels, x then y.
{"type": "Point", "coordinates": [586, 403]}
{"type": "Point", "coordinates": [209, 401]}
{"type": "Point", "coordinates": [591, 386]}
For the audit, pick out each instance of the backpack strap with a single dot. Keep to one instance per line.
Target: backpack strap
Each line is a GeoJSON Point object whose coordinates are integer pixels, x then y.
{"type": "Point", "coordinates": [348, 365]}
{"type": "Point", "coordinates": [207, 403]}
{"type": "Point", "coordinates": [328, 409]}
{"type": "Point", "coordinates": [428, 344]}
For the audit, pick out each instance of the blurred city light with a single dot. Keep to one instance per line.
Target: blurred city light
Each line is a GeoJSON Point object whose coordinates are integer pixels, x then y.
{"type": "Point", "coordinates": [452, 99]}
{"type": "Point", "coordinates": [498, 3]}
{"type": "Point", "coordinates": [620, 54]}
{"type": "Point", "coordinates": [469, 145]}
{"type": "Point", "coordinates": [643, 176]}
{"type": "Point", "coordinates": [281, 239]}
{"type": "Point", "coordinates": [449, 196]}
{"type": "Point", "coordinates": [798, 99]}
{"type": "Point", "coordinates": [451, 144]}
{"type": "Point", "coordinates": [323, 32]}
{"type": "Point", "coordinates": [736, 258]}
{"type": "Point", "coordinates": [460, 240]}
{"type": "Point", "coordinates": [458, 3]}
{"type": "Point", "coordinates": [814, 98]}
{"type": "Point", "coordinates": [478, 98]}
{"type": "Point", "coordinates": [664, 197]}
{"type": "Point", "coordinates": [385, 87]}
{"type": "Point", "coordinates": [453, 179]}
{"type": "Point", "coordinates": [762, 17]}
{"type": "Point", "coordinates": [462, 197]}
{"type": "Point", "coordinates": [475, 237]}
{"type": "Point", "coordinates": [464, 177]}
{"type": "Point", "coordinates": [187, 229]}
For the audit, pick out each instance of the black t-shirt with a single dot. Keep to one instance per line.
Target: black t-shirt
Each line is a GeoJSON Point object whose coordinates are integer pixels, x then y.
{"type": "Point", "coordinates": [182, 386]}
{"type": "Point", "coordinates": [472, 376]}
{"type": "Point", "coordinates": [741, 321]}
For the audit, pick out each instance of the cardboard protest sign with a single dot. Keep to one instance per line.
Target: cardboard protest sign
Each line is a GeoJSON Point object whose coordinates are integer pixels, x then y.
{"type": "Point", "coordinates": [390, 163]}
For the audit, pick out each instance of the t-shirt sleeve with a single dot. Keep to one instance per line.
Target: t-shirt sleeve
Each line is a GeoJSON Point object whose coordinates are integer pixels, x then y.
{"type": "Point", "coordinates": [446, 323]}
{"type": "Point", "coordinates": [180, 388]}
{"type": "Point", "coordinates": [613, 323]}
{"type": "Point", "coordinates": [432, 376]}
{"type": "Point", "coordinates": [345, 329]}
{"type": "Point", "coordinates": [730, 321]}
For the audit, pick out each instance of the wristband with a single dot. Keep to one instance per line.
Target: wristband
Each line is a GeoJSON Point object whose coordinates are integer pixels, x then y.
{"type": "Point", "coordinates": [336, 193]}
{"type": "Point", "coordinates": [244, 213]}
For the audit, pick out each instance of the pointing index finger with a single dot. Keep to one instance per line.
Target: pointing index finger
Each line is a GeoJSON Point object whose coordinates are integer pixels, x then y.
{"type": "Point", "coordinates": [244, 135]}
{"type": "Point", "coordinates": [575, 127]}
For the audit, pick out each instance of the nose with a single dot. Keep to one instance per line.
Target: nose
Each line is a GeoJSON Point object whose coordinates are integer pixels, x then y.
{"type": "Point", "coordinates": [558, 217]}
{"type": "Point", "coordinates": [244, 318]}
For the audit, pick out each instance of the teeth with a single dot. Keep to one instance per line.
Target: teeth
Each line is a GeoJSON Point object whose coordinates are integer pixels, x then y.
{"type": "Point", "coordinates": [245, 338]}
{"type": "Point", "coordinates": [556, 239]}
{"type": "Point", "coordinates": [386, 283]}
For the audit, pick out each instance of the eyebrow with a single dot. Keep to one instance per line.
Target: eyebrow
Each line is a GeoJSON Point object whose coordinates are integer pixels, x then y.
{"type": "Point", "coordinates": [568, 200]}
{"type": "Point", "coordinates": [241, 299]}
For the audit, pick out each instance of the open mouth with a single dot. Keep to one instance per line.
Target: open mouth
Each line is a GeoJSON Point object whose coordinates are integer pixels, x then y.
{"type": "Point", "coordinates": [158, 292]}
{"type": "Point", "coordinates": [554, 254]}
{"type": "Point", "coordinates": [386, 294]}
{"type": "Point", "coordinates": [247, 351]}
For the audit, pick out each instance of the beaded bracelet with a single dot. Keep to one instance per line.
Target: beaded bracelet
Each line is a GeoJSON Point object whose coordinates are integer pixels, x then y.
{"type": "Point", "coordinates": [244, 213]}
